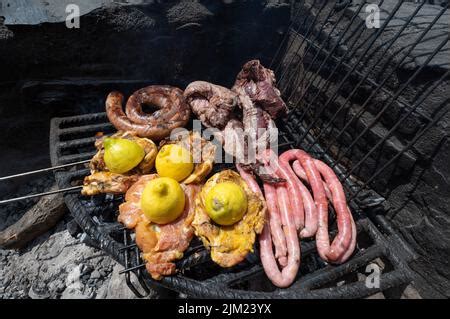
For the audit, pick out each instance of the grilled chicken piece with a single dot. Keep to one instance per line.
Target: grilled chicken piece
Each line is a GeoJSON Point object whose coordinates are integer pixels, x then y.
{"type": "Point", "coordinates": [107, 182]}
{"type": "Point", "coordinates": [161, 245]}
{"type": "Point", "coordinates": [103, 181]}
{"type": "Point", "coordinates": [97, 163]}
{"type": "Point", "coordinates": [130, 211]}
{"type": "Point", "coordinates": [259, 83]}
{"type": "Point", "coordinates": [203, 153]}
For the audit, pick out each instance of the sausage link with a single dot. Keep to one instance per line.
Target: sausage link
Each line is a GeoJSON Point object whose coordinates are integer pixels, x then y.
{"type": "Point", "coordinates": [300, 172]}
{"type": "Point", "coordinates": [279, 239]}
{"type": "Point", "coordinates": [315, 181]}
{"type": "Point", "coordinates": [296, 199]}
{"type": "Point", "coordinates": [343, 240]}
{"type": "Point", "coordinates": [285, 277]}
{"type": "Point", "coordinates": [167, 98]}
{"type": "Point", "coordinates": [156, 128]}
{"type": "Point", "coordinates": [273, 222]}
{"type": "Point", "coordinates": [310, 209]}
{"type": "Point", "coordinates": [335, 194]}
{"type": "Point", "coordinates": [311, 206]}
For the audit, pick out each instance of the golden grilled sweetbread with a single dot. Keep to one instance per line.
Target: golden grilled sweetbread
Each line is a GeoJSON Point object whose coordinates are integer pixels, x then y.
{"type": "Point", "coordinates": [203, 153]}
{"type": "Point", "coordinates": [229, 245]}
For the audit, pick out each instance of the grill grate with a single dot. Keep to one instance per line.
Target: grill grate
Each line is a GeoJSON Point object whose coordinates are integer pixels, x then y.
{"type": "Point", "coordinates": [198, 276]}
{"type": "Point", "coordinates": [342, 81]}
{"type": "Point", "coordinates": [349, 107]}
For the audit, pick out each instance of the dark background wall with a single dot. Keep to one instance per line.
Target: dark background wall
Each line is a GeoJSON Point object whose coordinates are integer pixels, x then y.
{"type": "Point", "coordinates": [48, 70]}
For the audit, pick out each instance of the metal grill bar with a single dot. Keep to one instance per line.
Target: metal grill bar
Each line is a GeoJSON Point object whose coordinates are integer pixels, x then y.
{"type": "Point", "coordinates": [299, 74]}
{"type": "Point", "coordinates": [308, 32]}
{"type": "Point", "coordinates": [416, 105]}
{"type": "Point", "coordinates": [285, 38]}
{"type": "Point", "coordinates": [378, 87]}
{"type": "Point", "coordinates": [330, 54]}
{"type": "Point", "coordinates": [368, 73]}
{"type": "Point", "coordinates": [337, 44]}
{"type": "Point", "coordinates": [300, 26]}
{"type": "Point", "coordinates": [393, 159]}
{"type": "Point", "coordinates": [322, 276]}
{"type": "Point", "coordinates": [349, 73]}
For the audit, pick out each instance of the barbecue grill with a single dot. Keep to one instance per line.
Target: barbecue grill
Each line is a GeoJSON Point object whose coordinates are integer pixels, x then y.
{"type": "Point", "coordinates": [337, 75]}
{"type": "Point", "coordinates": [199, 277]}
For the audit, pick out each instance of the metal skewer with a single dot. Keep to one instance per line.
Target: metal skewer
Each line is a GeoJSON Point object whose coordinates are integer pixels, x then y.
{"type": "Point", "coordinates": [68, 189]}
{"type": "Point", "coordinates": [43, 170]}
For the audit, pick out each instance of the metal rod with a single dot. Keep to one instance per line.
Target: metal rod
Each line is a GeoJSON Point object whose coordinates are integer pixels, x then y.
{"type": "Point", "coordinates": [68, 189]}
{"type": "Point", "coordinates": [131, 269]}
{"type": "Point", "coordinates": [367, 74]}
{"type": "Point", "coordinates": [43, 170]}
{"type": "Point", "coordinates": [298, 76]}
{"type": "Point", "coordinates": [330, 53]}
{"type": "Point", "coordinates": [350, 72]}
{"type": "Point", "coordinates": [380, 113]}
{"type": "Point", "coordinates": [310, 30]}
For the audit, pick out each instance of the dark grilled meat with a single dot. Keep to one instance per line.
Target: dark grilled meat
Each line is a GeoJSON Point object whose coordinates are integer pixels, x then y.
{"type": "Point", "coordinates": [213, 104]}
{"type": "Point", "coordinates": [258, 83]}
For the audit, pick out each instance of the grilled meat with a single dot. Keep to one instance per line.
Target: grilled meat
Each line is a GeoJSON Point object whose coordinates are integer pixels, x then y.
{"type": "Point", "coordinates": [103, 181]}
{"type": "Point", "coordinates": [213, 104]}
{"type": "Point", "coordinates": [258, 83]}
{"type": "Point", "coordinates": [107, 182]}
{"type": "Point", "coordinates": [160, 245]}
{"type": "Point", "coordinates": [258, 124]}
{"type": "Point", "coordinates": [173, 111]}
{"type": "Point", "coordinates": [203, 153]}
{"type": "Point", "coordinates": [229, 245]}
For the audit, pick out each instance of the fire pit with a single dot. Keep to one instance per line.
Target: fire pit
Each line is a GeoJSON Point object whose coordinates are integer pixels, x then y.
{"type": "Point", "coordinates": [366, 91]}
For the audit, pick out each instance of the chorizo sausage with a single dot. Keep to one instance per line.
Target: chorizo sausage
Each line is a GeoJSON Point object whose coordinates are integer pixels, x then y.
{"type": "Point", "coordinates": [287, 275]}
{"type": "Point", "coordinates": [155, 127]}
{"type": "Point", "coordinates": [345, 242]}
{"type": "Point", "coordinates": [168, 99]}
{"type": "Point", "coordinates": [273, 222]}
{"type": "Point", "coordinates": [311, 215]}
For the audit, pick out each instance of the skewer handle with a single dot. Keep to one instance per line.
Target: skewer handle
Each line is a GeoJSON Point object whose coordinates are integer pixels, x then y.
{"type": "Point", "coordinates": [43, 170]}
{"type": "Point", "coordinates": [68, 189]}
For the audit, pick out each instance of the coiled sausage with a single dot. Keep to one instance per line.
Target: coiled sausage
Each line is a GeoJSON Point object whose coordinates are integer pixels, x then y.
{"type": "Point", "coordinates": [174, 111]}
{"type": "Point", "coordinates": [345, 242]}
